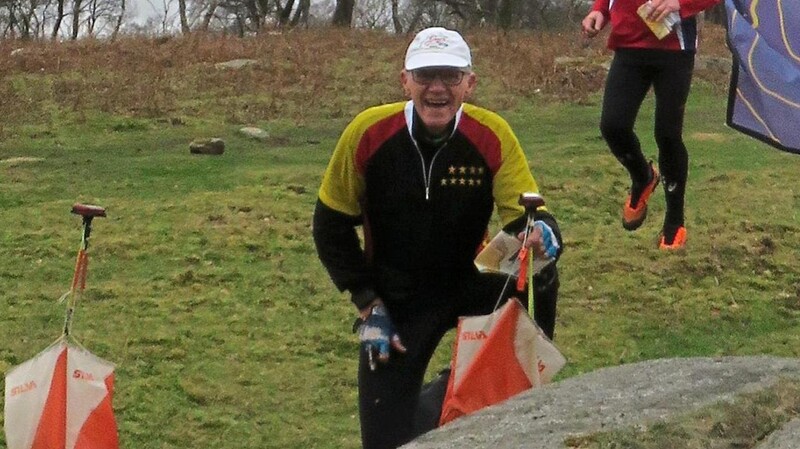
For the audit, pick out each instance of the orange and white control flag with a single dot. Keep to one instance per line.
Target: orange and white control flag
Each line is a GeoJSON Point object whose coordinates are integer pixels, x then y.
{"type": "Point", "coordinates": [61, 399]}
{"type": "Point", "coordinates": [497, 356]}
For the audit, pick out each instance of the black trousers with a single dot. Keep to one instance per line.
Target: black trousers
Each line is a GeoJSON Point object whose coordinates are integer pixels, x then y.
{"type": "Point", "coordinates": [633, 72]}
{"type": "Point", "coordinates": [389, 396]}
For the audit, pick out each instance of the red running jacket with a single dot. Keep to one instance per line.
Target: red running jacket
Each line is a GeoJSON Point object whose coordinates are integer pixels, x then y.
{"type": "Point", "coordinates": [628, 30]}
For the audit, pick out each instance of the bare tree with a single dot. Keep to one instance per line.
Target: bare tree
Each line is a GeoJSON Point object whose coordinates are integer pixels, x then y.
{"type": "Point", "coordinates": [182, 16]}
{"type": "Point", "coordinates": [285, 12]}
{"type": "Point", "coordinates": [26, 19]}
{"type": "Point", "coordinates": [343, 14]}
{"type": "Point", "coordinates": [209, 14]}
{"type": "Point", "coordinates": [506, 11]}
{"type": "Point", "coordinates": [24, 13]}
{"type": "Point", "coordinates": [301, 13]}
{"type": "Point", "coordinates": [166, 18]}
{"type": "Point", "coordinates": [253, 15]}
{"type": "Point", "coordinates": [398, 25]}
{"type": "Point", "coordinates": [11, 18]}
{"type": "Point", "coordinates": [120, 17]}
{"type": "Point", "coordinates": [373, 14]}
{"type": "Point", "coordinates": [76, 18]}
{"type": "Point", "coordinates": [40, 17]}
{"type": "Point", "coordinates": [59, 17]}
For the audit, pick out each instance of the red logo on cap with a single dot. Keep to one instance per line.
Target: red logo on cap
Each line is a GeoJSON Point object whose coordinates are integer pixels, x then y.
{"type": "Point", "coordinates": [435, 41]}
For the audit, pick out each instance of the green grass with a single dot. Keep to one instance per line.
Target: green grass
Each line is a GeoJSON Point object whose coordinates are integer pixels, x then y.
{"type": "Point", "coordinates": [205, 290]}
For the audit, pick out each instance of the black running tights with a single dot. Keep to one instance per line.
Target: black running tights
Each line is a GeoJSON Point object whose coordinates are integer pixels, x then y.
{"type": "Point", "coordinates": [632, 73]}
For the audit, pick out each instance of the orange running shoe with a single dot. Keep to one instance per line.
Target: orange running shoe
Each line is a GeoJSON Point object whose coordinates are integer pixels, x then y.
{"type": "Point", "coordinates": [678, 242]}
{"type": "Point", "coordinates": [633, 217]}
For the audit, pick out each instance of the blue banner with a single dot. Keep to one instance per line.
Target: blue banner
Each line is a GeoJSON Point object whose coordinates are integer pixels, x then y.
{"type": "Point", "coordinates": [764, 95]}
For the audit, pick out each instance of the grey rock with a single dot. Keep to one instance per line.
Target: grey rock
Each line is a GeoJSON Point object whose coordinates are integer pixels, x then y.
{"type": "Point", "coordinates": [788, 437]}
{"type": "Point", "coordinates": [254, 133]}
{"type": "Point", "coordinates": [14, 161]}
{"type": "Point", "coordinates": [298, 189]}
{"type": "Point", "coordinates": [569, 60]}
{"type": "Point", "coordinates": [207, 146]}
{"type": "Point", "coordinates": [607, 399]}
{"type": "Point", "coordinates": [236, 64]}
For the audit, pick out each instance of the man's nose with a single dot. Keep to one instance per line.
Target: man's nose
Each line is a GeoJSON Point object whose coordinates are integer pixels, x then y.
{"type": "Point", "coordinates": [437, 82]}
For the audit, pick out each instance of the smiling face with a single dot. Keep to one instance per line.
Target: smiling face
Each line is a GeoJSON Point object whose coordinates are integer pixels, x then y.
{"type": "Point", "coordinates": [437, 93]}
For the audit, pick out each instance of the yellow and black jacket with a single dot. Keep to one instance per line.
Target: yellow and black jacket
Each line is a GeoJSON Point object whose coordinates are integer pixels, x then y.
{"type": "Point", "coordinates": [424, 207]}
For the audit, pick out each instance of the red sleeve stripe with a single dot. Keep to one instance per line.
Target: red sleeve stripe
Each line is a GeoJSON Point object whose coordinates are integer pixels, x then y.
{"type": "Point", "coordinates": [375, 136]}
{"type": "Point", "coordinates": [484, 140]}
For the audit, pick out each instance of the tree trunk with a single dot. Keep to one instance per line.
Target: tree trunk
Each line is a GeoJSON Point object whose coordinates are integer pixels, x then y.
{"type": "Point", "coordinates": [343, 14]}
{"type": "Point", "coordinates": [24, 21]}
{"type": "Point", "coordinates": [253, 14]}
{"type": "Point", "coordinates": [301, 14]}
{"type": "Point", "coordinates": [286, 13]}
{"type": "Point", "coordinates": [118, 25]}
{"type": "Point", "coordinates": [240, 26]}
{"type": "Point", "coordinates": [76, 18]}
{"type": "Point", "coordinates": [412, 25]}
{"type": "Point", "coordinates": [398, 26]}
{"type": "Point", "coordinates": [505, 14]}
{"type": "Point", "coordinates": [209, 15]}
{"type": "Point", "coordinates": [182, 14]}
{"type": "Point", "coordinates": [264, 10]}
{"type": "Point", "coordinates": [59, 18]}
{"type": "Point", "coordinates": [12, 20]}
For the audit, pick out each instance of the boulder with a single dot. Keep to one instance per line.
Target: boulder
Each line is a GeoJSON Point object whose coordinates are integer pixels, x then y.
{"type": "Point", "coordinates": [254, 133]}
{"type": "Point", "coordinates": [615, 398]}
{"type": "Point", "coordinates": [14, 161]}
{"type": "Point", "coordinates": [207, 146]}
{"type": "Point", "coordinates": [236, 64]}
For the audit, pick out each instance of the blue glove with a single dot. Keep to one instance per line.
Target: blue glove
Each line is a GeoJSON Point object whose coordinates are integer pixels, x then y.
{"type": "Point", "coordinates": [549, 241]}
{"type": "Point", "coordinates": [378, 335]}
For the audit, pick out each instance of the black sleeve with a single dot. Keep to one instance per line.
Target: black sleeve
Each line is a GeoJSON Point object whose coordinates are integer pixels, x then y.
{"type": "Point", "coordinates": [518, 225]}
{"type": "Point", "coordinates": [341, 254]}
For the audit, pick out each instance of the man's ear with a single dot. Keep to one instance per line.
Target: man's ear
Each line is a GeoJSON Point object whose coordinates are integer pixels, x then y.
{"type": "Point", "coordinates": [472, 82]}
{"type": "Point", "coordinates": [404, 80]}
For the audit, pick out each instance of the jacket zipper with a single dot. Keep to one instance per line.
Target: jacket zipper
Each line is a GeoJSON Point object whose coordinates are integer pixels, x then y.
{"type": "Point", "coordinates": [427, 172]}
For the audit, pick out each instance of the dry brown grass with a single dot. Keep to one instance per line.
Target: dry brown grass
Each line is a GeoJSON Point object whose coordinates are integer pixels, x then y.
{"type": "Point", "coordinates": [301, 75]}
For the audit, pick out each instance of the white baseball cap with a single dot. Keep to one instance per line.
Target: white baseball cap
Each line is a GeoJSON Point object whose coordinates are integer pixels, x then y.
{"type": "Point", "coordinates": [438, 47]}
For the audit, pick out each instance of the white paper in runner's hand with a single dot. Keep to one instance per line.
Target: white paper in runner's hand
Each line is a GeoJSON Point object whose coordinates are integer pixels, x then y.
{"type": "Point", "coordinates": [660, 28]}
{"type": "Point", "coordinates": [500, 256]}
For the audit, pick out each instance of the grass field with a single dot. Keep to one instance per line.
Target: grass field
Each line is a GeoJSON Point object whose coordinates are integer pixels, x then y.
{"type": "Point", "coordinates": [205, 290]}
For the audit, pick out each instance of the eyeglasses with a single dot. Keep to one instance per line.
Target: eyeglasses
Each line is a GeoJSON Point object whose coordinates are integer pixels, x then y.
{"type": "Point", "coordinates": [450, 77]}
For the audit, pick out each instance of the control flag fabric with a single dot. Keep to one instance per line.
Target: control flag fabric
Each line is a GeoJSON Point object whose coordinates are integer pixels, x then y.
{"type": "Point", "coordinates": [495, 357]}
{"type": "Point", "coordinates": [61, 399]}
{"type": "Point", "coordinates": [764, 94]}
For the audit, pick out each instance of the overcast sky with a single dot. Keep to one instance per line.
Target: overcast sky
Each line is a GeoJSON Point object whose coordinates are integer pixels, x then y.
{"type": "Point", "coordinates": [142, 9]}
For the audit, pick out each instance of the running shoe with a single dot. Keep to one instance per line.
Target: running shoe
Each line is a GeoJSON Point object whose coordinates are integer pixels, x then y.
{"type": "Point", "coordinates": [633, 216]}
{"type": "Point", "coordinates": [678, 242]}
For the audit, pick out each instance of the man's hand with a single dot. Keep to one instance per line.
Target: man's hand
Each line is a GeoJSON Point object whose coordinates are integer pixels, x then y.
{"type": "Point", "coordinates": [377, 334]}
{"type": "Point", "coordinates": [593, 23]}
{"type": "Point", "coordinates": [542, 240]}
{"type": "Point", "coordinates": [662, 8]}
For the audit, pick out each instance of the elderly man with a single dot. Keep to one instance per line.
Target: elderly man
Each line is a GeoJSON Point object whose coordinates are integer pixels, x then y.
{"type": "Point", "coordinates": [423, 178]}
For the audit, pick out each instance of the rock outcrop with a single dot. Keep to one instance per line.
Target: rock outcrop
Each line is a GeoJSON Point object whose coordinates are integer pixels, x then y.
{"type": "Point", "coordinates": [615, 398]}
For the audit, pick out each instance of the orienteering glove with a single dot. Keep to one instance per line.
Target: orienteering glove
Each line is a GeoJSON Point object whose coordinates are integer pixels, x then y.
{"type": "Point", "coordinates": [549, 241]}
{"type": "Point", "coordinates": [378, 335]}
